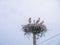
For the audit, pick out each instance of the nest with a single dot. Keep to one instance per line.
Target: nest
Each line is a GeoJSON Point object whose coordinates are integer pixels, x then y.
{"type": "Point", "coordinates": [36, 28]}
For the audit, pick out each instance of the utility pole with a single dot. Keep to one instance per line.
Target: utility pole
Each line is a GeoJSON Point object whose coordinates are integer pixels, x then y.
{"type": "Point", "coordinates": [36, 28]}
{"type": "Point", "coordinates": [34, 39]}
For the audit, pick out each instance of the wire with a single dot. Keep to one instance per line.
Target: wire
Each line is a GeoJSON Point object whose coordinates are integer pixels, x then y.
{"type": "Point", "coordinates": [50, 38]}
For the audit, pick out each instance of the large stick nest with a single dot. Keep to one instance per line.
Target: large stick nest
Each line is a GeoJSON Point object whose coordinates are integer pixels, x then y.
{"type": "Point", "coordinates": [36, 28]}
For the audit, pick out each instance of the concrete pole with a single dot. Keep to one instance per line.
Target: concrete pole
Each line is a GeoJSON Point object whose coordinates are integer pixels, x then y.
{"type": "Point", "coordinates": [34, 39]}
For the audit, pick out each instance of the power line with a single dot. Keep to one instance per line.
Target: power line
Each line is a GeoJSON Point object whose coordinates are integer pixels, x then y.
{"type": "Point", "coordinates": [50, 38]}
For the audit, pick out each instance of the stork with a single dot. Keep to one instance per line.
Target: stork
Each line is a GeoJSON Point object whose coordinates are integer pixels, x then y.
{"type": "Point", "coordinates": [42, 22]}
{"type": "Point", "coordinates": [29, 20]}
{"type": "Point", "coordinates": [38, 20]}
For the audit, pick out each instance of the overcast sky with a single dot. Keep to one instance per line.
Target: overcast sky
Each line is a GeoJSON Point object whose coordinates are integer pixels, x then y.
{"type": "Point", "coordinates": [14, 13]}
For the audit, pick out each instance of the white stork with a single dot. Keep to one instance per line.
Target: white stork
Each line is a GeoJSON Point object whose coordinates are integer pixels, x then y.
{"type": "Point", "coordinates": [29, 20]}
{"type": "Point", "coordinates": [38, 20]}
{"type": "Point", "coordinates": [41, 22]}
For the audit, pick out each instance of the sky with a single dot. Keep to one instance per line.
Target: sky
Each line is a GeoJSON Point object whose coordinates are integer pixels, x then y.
{"type": "Point", "coordinates": [15, 13]}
